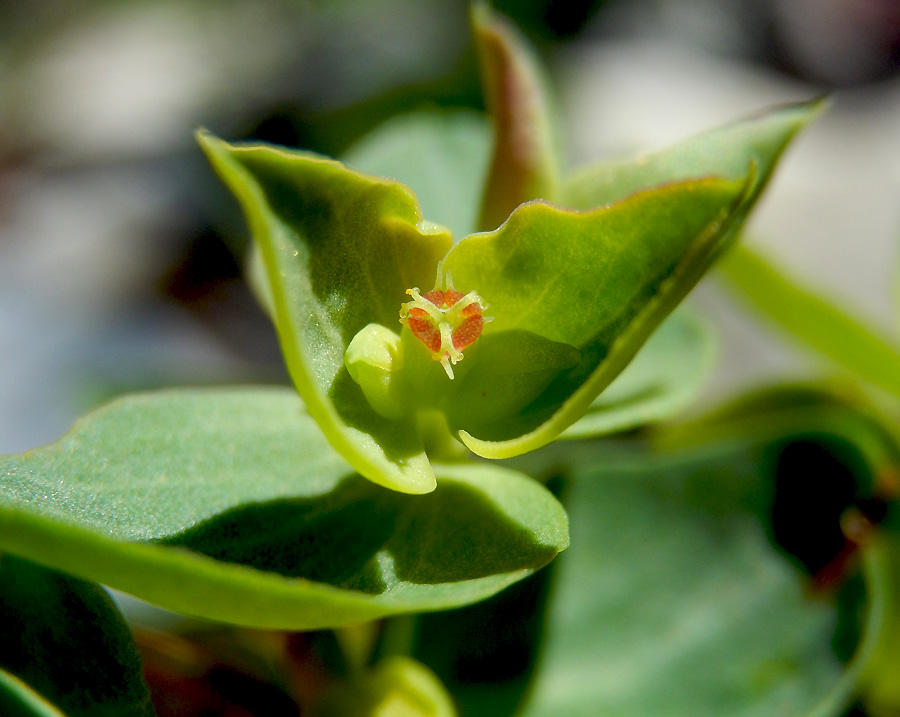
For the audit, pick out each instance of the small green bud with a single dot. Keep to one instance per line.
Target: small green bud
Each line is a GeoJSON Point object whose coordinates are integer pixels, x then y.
{"type": "Point", "coordinates": [373, 359]}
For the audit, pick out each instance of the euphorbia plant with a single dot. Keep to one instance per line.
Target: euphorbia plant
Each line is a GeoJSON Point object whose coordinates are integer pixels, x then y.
{"type": "Point", "coordinates": [408, 350]}
{"type": "Point", "coordinates": [576, 277]}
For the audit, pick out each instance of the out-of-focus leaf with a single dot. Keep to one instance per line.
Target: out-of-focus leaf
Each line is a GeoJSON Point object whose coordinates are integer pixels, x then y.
{"type": "Point", "coordinates": [442, 156]}
{"type": "Point", "coordinates": [66, 639]}
{"type": "Point", "coordinates": [231, 505]}
{"type": "Point", "coordinates": [675, 600]}
{"type": "Point", "coordinates": [524, 165]}
{"type": "Point", "coordinates": [815, 319]}
{"type": "Point", "coordinates": [773, 411]}
{"type": "Point", "coordinates": [725, 152]}
{"type": "Point", "coordinates": [662, 379]}
{"type": "Point", "coordinates": [486, 654]}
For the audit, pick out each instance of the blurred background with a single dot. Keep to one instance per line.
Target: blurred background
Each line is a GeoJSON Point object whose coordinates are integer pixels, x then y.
{"type": "Point", "coordinates": [120, 252]}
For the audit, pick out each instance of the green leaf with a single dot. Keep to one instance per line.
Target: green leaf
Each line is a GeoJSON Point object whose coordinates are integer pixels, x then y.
{"type": "Point", "coordinates": [340, 250]}
{"type": "Point", "coordinates": [815, 320]}
{"type": "Point", "coordinates": [231, 505]}
{"type": "Point", "coordinates": [18, 699]}
{"type": "Point", "coordinates": [524, 164]}
{"type": "Point", "coordinates": [661, 380]}
{"type": "Point", "coordinates": [725, 152]}
{"type": "Point", "coordinates": [675, 600]}
{"type": "Point", "coordinates": [773, 411]}
{"type": "Point", "coordinates": [67, 640]}
{"type": "Point", "coordinates": [442, 156]}
{"type": "Point", "coordinates": [573, 296]}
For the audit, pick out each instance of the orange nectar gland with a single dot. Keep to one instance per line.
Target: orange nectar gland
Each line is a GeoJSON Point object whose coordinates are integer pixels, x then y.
{"type": "Point", "coordinates": [445, 320]}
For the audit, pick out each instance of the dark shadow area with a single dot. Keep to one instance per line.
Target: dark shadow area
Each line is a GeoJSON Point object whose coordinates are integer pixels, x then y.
{"type": "Point", "coordinates": [452, 534]}
{"type": "Point", "coordinates": [817, 479]}
{"type": "Point", "coordinates": [486, 654]}
{"type": "Point", "coordinates": [66, 639]}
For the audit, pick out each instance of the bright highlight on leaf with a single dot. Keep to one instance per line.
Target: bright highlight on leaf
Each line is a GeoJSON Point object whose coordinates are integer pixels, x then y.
{"type": "Point", "coordinates": [445, 321]}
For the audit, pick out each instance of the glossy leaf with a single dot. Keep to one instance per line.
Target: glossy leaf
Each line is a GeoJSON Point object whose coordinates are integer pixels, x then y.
{"type": "Point", "coordinates": [442, 156]}
{"type": "Point", "coordinates": [661, 379]}
{"type": "Point", "coordinates": [340, 250]}
{"type": "Point", "coordinates": [574, 295]}
{"type": "Point", "coordinates": [725, 152]}
{"type": "Point", "coordinates": [67, 640]}
{"type": "Point", "coordinates": [524, 165]}
{"type": "Point", "coordinates": [674, 599]}
{"type": "Point", "coordinates": [230, 505]}
{"type": "Point", "coordinates": [815, 319]}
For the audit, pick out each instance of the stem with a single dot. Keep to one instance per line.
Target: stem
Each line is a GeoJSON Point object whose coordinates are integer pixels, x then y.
{"type": "Point", "coordinates": [398, 636]}
{"type": "Point", "coordinates": [440, 445]}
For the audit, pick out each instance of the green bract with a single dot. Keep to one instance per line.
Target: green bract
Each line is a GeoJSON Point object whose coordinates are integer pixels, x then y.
{"type": "Point", "coordinates": [572, 283]}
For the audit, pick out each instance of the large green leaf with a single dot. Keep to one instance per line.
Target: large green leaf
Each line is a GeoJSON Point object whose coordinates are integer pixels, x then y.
{"type": "Point", "coordinates": [675, 600]}
{"type": "Point", "coordinates": [573, 297]}
{"type": "Point", "coordinates": [441, 156]}
{"type": "Point", "coordinates": [66, 639]}
{"type": "Point", "coordinates": [340, 249]}
{"type": "Point", "coordinates": [725, 152]}
{"type": "Point", "coordinates": [660, 381]}
{"type": "Point", "coordinates": [229, 504]}
{"type": "Point", "coordinates": [815, 319]}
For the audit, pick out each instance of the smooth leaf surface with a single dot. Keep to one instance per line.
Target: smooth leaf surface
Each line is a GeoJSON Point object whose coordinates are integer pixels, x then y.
{"type": "Point", "coordinates": [66, 639]}
{"type": "Point", "coordinates": [230, 504]}
{"type": "Point", "coordinates": [661, 380]}
{"type": "Point", "coordinates": [442, 156]}
{"type": "Point", "coordinates": [674, 599]}
{"type": "Point", "coordinates": [524, 165]}
{"type": "Point", "coordinates": [597, 282]}
{"type": "Point", "coordinates": [725, 152]}
{"type": "Point", "coordinates": [340, 250]}
{"type": "Point", "coordinates": [815, 319]}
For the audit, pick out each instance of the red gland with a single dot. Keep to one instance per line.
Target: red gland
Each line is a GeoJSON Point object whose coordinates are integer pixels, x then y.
{"type": "Point", "coordinates": [444, 330]}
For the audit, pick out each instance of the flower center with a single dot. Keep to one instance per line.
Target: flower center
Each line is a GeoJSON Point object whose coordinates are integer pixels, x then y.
{"type": "Point", "coordinates": [445, 320]}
